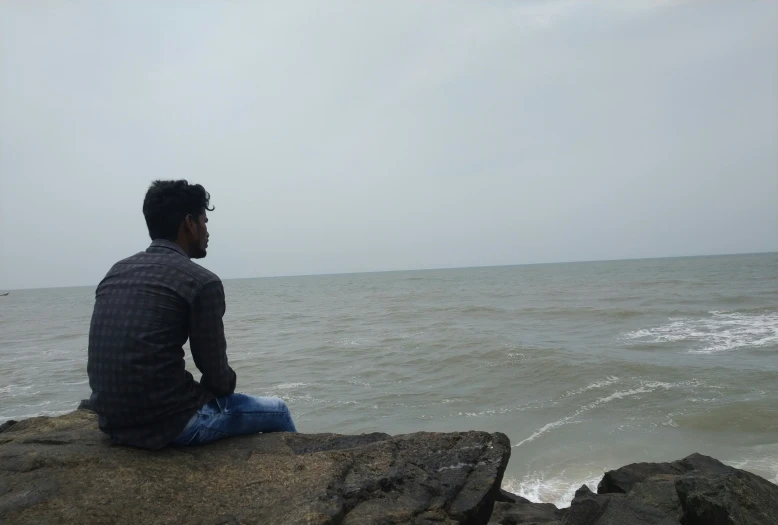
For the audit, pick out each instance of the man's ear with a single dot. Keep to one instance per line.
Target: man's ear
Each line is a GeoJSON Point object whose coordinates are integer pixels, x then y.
{"type": "Point", "coordinates": [190, 223]}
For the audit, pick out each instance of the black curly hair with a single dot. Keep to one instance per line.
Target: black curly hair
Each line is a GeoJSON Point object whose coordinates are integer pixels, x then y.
{"type": "Point", "coordinates": [167, 204]}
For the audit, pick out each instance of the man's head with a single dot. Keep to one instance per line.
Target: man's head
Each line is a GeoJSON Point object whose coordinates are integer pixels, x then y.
{"type": "Point", "coordinates": [175, 211]}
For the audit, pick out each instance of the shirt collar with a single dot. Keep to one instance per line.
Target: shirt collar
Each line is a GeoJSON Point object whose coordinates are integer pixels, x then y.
{"type": "Point", "coordinates": [162, 243]}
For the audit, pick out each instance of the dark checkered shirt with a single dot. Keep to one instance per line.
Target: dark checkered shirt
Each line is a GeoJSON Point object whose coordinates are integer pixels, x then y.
{"type": "Point", "coordinates": [145, 309]}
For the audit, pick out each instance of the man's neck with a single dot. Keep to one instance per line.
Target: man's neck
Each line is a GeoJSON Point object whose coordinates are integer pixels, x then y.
{"type": "Point", "coordinates": [183, 248]}
{"type": "Point", "coordinates": [170, 244]}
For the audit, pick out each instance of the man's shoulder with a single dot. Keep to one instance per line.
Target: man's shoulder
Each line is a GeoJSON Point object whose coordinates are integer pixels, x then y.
{"type": "Point", "coordinates": [127, 262]}
{"type": "Point", "coordinates": [204, 275]}
{"type": "Point", "coordinates": [130, 260]}
{"type": "Point", "coordinates": [169, 264]}
{"type": "Point", "coordinates": [187, 267]}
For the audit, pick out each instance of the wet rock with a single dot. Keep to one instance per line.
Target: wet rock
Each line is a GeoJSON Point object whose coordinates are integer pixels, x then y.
{"type": "Point", "coordinates": [727, 498]}
{"type": "Point", "coordinates": [658, 492]}
{"type": "Point", "coordinates": [589, 508]}
{"type": "Point", "coordinates": [696, 490]}
{"type": "Point", "coordinates": [623, 479]}
{"type": "Point", "coordinates": [85, 404]}
{"type": "Point", "coordinates": [506, 513]}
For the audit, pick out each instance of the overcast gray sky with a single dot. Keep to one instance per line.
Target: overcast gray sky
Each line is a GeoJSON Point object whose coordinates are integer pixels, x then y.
{"type": "Point", "coordinates": [356, 136]}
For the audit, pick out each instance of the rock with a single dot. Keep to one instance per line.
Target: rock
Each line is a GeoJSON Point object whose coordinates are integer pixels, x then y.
{"type": "Point", "coordinates": [510, 497]}
{"type": "Point", "coordinates": [696, 490]}
{"type": "Point", "coordinates": [64, 470]}
{"type": "Point", "coordinates": [512, 509]}
{"type": "Point", "coordinates": [85, 404]}
{"type": "Point", "coordinates": [658, 492]}
{"type": "Point", "coordinates": [622, 480]}
{"type": "Point", "coordinates": [585, 506]}
{"type": "Point", "coordinates": [727, 498]}
{"type": "Point", "coordinates": [506, 513]}
{"type": "Point", "coordinates": [589, 508]}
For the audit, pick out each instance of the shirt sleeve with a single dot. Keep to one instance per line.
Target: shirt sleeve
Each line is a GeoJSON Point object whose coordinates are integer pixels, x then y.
{"type": "Point", "coordinates": [207, 342]}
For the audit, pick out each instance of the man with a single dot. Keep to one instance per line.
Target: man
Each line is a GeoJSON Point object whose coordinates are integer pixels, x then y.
{"type": "Point", "coordinates": [146, 307]}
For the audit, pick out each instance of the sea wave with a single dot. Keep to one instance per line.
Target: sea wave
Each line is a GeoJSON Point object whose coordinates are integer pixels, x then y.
{"type": "Point", "coordinates": [287, 386]}
{"type": "Point", "coordinates": [557, 489]}
{"type": "Point", "coordinates": [642, 387]}
{"type": "Point", "coordinates": [719, 332]}
{"type": "Point", "coordinates": [761, 460]}
{"type": "Point", "coordinates": [597, 384]}
{"type": "Point", "coordinates": [582, 312]}
{"type": "Point", "coordinates": [16, 391]}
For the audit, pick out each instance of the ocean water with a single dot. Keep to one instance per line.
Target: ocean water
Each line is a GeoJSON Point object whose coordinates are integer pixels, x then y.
{"type": "Point", "coordinates": [585, 366]}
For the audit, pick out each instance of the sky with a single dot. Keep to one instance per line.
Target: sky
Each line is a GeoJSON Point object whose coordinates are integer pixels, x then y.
{"type": "Point", "coordinates": [347, 136]}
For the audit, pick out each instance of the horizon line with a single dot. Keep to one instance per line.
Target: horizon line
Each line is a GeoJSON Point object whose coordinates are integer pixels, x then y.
{"type": "Point", "coordinates": [364, 272]}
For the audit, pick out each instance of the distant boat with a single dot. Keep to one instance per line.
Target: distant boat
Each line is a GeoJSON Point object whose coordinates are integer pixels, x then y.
{"type": "Point", "coordinates": [4, 294]}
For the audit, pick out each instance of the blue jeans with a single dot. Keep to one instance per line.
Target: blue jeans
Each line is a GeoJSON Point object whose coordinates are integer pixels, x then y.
{"type": "Point", "coordinates": [235, 415]}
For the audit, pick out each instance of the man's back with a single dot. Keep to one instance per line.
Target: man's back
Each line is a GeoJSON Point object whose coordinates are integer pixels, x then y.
{"type": "Point", "coordinates": [146, 308]}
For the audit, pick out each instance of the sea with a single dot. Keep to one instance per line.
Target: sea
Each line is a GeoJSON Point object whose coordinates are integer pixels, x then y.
{"type": "Point", "coordinates": [584, 366]}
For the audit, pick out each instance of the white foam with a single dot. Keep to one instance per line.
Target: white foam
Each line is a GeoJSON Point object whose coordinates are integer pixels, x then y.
{"type": "Point", "coordinates": [16, 390]}
{"type": "Point", "coordinates": [721, 332]}
{"type": "Point", "coordinates": [645, 387]}
{"type": "Point", "coordinates": [761, 460]}
{"type": "Point", "coordinates": [620, 395]}
{"type": "Point", "coordinates": [542, 430]}
{"type": "Point", "coordinates": [559, 490]}
{"type": "Point", "coordinates": [288, 386]}
{"type": "Point", "coordinates": [487, 412]}
{"type": "Point", "coordinates": [345, 342]}
{"type": "Point", "coordinates": [598, 384]}
{"type": "Point", "coordinates": [662, 384]}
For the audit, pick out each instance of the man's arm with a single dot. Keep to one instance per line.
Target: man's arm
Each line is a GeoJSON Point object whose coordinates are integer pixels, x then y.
{"type": "Point", "coordinates": [207, 342]}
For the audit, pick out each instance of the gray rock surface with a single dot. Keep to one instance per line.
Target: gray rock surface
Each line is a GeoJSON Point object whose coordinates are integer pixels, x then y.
{"type": "Point", "coordinates": [701, 490]}
{"type": "Point", "coordinates": [64, 470]}
{"type": "Point", "coordinates": [696, 490]}
{"type": "Point", "coordinates": [623, 479]}
{"type": "Point", "coordinates": [510, 509]}
{"type": "Point", "coordinates": [613, 509]}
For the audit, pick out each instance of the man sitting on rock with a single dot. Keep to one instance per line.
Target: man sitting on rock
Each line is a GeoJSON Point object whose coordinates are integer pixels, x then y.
{"type": "Point", "coordinates": [146, 308]}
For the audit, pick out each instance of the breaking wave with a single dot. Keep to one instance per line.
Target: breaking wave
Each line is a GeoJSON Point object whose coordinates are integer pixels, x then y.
{"type": "Point", "coordinates": [720, 332]}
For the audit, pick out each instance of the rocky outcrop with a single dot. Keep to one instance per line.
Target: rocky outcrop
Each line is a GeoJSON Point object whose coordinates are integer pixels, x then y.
{"type": "Point", "coordinates": [63, 470]}
{"type": "Point", "coordinates": [624, 479]}
{"type": "Point", "coordinates": [696, 490]}
{"type": "Point", "coordinates": [510, 509]}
